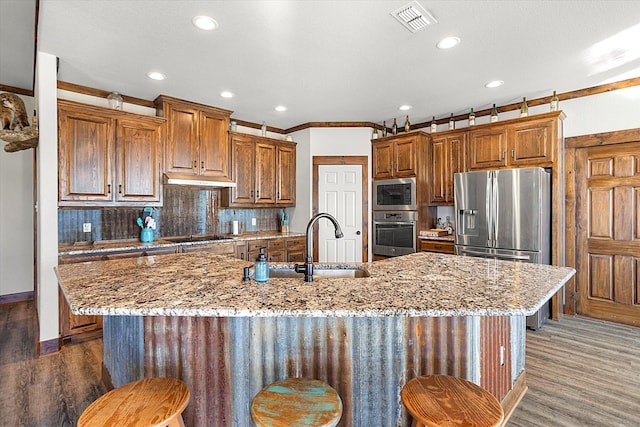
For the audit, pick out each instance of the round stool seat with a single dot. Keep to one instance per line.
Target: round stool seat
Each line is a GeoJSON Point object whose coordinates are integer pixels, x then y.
{"type": "Point", "coordinates": [446, 401]}
{"type": "Point", "coordinates": [152, 402]}
{"type": "Point", "coordinates": [298, 402]}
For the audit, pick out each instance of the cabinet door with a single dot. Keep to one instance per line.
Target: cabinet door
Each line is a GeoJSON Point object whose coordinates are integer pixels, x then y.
{"type": "Point", "coordinates": [456, 162]}
{"type": "Point", "coordinates": [405, 157]}
{"type": "Point", "coordinates": [85, 156]}
{"type": "Point", "coordinates": [181, 154]}
{"type": "Point", "coordinates": [382, 153]}
{"type": "Point", "coordinates": [241, 251]}
{"type": "Point", "coordinates": [530, 143]}
{"type": "Point", "coordinates": [439, 170]}
{"type": "Point", "coordinates": [487, 148]}
{"type": "Point", "coordinates": [242, 156]}
{"type": "Point", "coordinates": [286, 175]}
{"type": "Point", "coordinates": [138, 154]}
{"type": "Point", "coordinates": [214, 159]}
{"type": "Point", "coordinates": [265, 167]}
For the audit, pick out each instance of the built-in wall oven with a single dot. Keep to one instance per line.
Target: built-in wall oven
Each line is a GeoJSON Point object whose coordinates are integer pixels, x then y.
{"type": "Point", "coordinates": [394, 194]}
{"type": "Point", "coordinates": [394, 233]}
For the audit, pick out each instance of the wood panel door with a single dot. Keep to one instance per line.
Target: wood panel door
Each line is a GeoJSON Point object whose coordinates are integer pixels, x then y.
{"type": "Point", "coordinates": [286, 175]}
{"type": "Point", "coordinates": [182, 141]}
{"type": "Point", "coordinates": [265, 173]}
{"type": "Point", "coordinates": [138, 154]}
{"type": "Point", "coordinates": [405, 156]}
{"type": "Point", "coordinates": [488, 148]}
{"type": "Point", "coordinates": [382, 154]}
{"type": "Point", "coordinates": [242, 157]}
{"type": "Point", "coordinates": [214, 146]}
{"type": "Point", "coordinates": [86, 144]}
{"type": "Point", "coordinates": [608, 232]}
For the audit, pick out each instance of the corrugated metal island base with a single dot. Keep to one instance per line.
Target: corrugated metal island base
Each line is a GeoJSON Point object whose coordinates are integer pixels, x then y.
{"type": "Point", "coordinates": [189, 316]}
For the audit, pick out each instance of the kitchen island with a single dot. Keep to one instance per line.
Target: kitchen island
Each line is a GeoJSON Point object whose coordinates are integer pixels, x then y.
{"type": "Point", "coordinates": [190, 316]}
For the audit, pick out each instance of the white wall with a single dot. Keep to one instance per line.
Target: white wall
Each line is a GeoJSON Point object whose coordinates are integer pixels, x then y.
{"type": "Point", "coordinates": [47, 196]}
{"type": "Point", "coordinates": [16, 217]}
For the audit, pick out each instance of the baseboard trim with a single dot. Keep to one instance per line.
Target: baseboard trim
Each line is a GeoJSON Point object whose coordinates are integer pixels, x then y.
{"type": "Point", "coordinates": [18, 297]}
{"type": "Point", "coordinates": [511, 400]}
{"type": "Point", "coordinates": [48, 347]}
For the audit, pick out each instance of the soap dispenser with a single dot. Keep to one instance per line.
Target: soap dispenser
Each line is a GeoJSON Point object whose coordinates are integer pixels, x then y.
{"type": "Point", "coordinates": [261, 267]}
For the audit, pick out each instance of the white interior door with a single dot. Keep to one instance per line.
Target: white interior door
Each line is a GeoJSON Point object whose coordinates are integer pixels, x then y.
{"type": "Point", "coordinates": [340, 194]}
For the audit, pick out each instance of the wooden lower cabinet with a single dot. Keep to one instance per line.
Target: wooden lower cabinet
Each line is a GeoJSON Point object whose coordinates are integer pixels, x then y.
{"type": "Point", "coordinates": [440, 246]}
{"type": "Point", "coordinates": [295, 249]}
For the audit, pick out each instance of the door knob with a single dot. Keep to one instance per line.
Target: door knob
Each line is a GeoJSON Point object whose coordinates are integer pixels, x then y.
{"type": "Point", "coordinates": [358, 233]}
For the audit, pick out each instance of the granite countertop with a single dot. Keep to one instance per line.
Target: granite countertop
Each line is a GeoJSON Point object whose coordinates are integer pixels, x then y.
{"type": "Point", "coordinates": [105, 246]}
{"type": "Point", "coordinates": [204, 284]}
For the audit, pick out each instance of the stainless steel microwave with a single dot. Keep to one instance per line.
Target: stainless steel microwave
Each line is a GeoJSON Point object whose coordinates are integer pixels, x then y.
{"type": "Point", "coordinates": [394, 194]}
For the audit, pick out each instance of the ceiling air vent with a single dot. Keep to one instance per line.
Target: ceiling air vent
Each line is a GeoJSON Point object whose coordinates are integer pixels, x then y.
{"type": "Point", "coordinates": [413, 16]}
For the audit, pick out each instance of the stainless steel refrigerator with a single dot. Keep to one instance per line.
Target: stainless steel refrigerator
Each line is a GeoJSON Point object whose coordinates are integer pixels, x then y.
{"type": "Point", "coordinates": [505, 214]}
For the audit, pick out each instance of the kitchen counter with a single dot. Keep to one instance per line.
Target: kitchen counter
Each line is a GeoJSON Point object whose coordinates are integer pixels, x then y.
{"type": "Point", "coordinates": [447, 238]}
{"type": "Point", "coordinates": [122, 245]}
{"type": "Point", "coordinates": [191, 317]}
{"type": "Point", "coordinates": [420, 284]}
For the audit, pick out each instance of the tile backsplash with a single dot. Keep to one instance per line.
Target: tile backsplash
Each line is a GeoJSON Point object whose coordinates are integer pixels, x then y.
{"type": "Point", "coordinates": [186, 211]}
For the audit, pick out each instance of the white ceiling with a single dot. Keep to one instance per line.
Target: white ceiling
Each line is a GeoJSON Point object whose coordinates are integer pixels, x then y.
{"type": "Point", "coordinates": [331, 60]}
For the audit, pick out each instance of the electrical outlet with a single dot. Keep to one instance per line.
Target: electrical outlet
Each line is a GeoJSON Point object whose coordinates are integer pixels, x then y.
{"type": "Point", "coordinates": [86, 227]}
{"type": "Point", "coordinates": [253, 221]}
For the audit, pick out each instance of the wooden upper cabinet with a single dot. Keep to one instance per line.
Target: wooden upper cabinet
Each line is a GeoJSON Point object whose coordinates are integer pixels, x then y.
{"type": "Point", "coordinates": [383, 165]}
{"type": "Point", "coordinates": [108, 157]}
{"type": "Point", "coordinates": [265, 177]}
{"type": "Point", "coordinates": [488, 148]}
{"type": "Point", "coordinates": [447, 158]}
{"type": "Point", "coordinates": [197, 142]}
{"type": "Point", "coordinates": [139, 154]}
{"type": "Point", "coordinates": [395, 157]}
{"type": "Point", "coordinates": [531, 143]}
{"type": "Point", "coordinates": [264, 171]}
{"type": "Point", "coordinates": [242, 157]}
{"type": "Point", "coordinates": [286, 174]}
{"type": "Point", "coordinates": [85, 156]}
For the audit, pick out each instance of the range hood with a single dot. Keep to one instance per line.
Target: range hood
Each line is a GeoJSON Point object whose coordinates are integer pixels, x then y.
{"type": "Point", "coordinates": [200, 181]}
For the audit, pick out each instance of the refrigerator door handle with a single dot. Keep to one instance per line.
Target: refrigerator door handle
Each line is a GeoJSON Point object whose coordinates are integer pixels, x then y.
{"type": "Point", "coordinates": [496, 207]}
{"type": "Point", "coordinates": [495, 256]}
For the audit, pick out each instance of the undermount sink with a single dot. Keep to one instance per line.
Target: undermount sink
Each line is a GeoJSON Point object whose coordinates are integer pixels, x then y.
{"type": "Point", "coordinates": [320, 272]}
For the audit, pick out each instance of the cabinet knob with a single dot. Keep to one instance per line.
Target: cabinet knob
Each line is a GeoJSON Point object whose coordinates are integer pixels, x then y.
{"type": "Point", "coordinates": [108, 188]}
{"type": "Point", "coordinates": [202, 165]}
{"type": "Point", "coordinates": [119, 188]}
{"type": "Point", "coordinates": [504, 153]}
{"type": "Point", "coordinates": [195, 164]}
{"type": "Point", "coordinates": [358, 233]}
{"type": "Point", "coordinates": [513, 153]}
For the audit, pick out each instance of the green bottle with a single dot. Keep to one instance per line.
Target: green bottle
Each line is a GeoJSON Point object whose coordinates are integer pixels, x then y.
{"type": "Point", "coordinates": [524, 110]}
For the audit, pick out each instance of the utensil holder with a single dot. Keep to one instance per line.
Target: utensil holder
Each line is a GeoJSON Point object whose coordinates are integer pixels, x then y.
{"type": "Point", "coordinates": [146, 235]}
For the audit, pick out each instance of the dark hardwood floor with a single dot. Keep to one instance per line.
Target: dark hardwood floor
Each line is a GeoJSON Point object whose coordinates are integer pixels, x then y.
{"type": "Point", "coordinates": [580, 372]}
{"type": "Point", "coordinates": [48, 391]}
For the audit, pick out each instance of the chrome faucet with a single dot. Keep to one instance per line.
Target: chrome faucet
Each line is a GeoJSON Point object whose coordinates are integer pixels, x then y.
{"type": "Point", "coordinates": [307, 267]}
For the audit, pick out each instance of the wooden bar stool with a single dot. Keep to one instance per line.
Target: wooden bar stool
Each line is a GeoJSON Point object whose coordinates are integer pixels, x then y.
{"type": "Point", "coordinates": [152, 402]}
{"type": "Point", "coordinates": [299, 402]}
{"type": "Point", "coordinates": [446, 401]}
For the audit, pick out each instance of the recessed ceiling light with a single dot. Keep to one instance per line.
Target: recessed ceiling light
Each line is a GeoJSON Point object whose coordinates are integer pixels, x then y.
{"type": "Point", "coordinates": [448, 42]}
{"type": "Point", "coordinates": [156, 75]}
{"type": "Point", "coordinates": [405, 107]}
{"type": "Point", "coordinates": [205, 22]}
{"type": "Point", "coordinates": [226, 94]}
{"type": "Point", "coordinates": [494, 83]}
{"type": "Point", "coordinates": [281, 108]}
